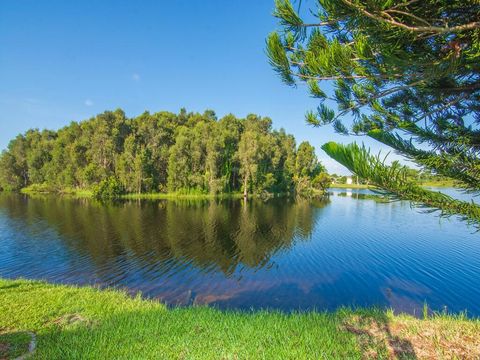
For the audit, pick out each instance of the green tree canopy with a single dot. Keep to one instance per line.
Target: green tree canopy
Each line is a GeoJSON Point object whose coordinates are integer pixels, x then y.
{"type": "Point", "coordinates": [185, 152]}
{"type": "Point", "coordinates": [405, 73]}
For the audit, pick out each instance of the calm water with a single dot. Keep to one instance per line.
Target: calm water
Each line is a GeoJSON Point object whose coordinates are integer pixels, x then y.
{"type": "Point", "coordinates": [281, 254]}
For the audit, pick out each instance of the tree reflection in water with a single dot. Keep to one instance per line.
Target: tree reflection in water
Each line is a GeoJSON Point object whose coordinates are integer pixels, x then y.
{"type": "Point", "coordinates": [163, 238]}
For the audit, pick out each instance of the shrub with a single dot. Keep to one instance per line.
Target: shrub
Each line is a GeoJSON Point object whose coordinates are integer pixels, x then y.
{"type": "Point", "coordinates": [43, 188]}
{"type": "Point", "coordinates": [110, 188]}
{"type": "Point", "coordinates": [322, 181]}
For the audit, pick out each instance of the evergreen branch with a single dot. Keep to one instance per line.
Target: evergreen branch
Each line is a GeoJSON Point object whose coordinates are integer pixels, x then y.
{"type": "Point", "coordinates": [419, 29]}
{"type": "Point", "coordinates": [408, 14]}
{"type": "Point", "coordinates": [443, 107]}
{"type": "Point", "coordinates": [394, 181]}
{"type": "Point", "coordinates": [278, 58]}
{"type": "Point", "coordinates": [344, 77]}
{"type": "Point", "coordinates": [404, 4]}
{"type": "Point", "coordinates": [461, 137]}
{"type": "Point", "coordinates": [289, 17]}
{"type": "Point", "coordinates": [458, 167]}
{"type": "Point", "coordinates": [391, 79]}
{"type": "Point", "coordinates": [379, 95]}
{"type": "Point", "coordinates": [328, 78]}
{"type": "Point", "coordinates": [322, 23]}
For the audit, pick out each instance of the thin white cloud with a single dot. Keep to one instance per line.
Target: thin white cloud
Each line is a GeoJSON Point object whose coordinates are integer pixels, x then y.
{"type": "Point", "coordinates": [33, 101]}
{"type": "Point", "coordinates": [135, 77]}
{"type": "Point", "coordinates": [88, 102]}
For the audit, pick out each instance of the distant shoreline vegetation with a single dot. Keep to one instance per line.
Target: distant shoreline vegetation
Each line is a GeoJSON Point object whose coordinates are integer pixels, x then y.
{"type": "Point", "coordinates": [439, 183]}
{"type": "Point", "coordinates": [162, 154]}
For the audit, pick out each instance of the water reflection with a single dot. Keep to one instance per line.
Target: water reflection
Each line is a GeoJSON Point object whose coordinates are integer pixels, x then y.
{"type": "Point", "coordinates": [363, 196]}
{"type": "Point", "coordinates": [210, 235]}
{"type": "Point", "coordinates": [285, 254]}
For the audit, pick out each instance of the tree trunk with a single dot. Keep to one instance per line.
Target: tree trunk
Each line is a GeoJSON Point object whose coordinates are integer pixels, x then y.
{"type": "Point", "coordinates": [245, 184]}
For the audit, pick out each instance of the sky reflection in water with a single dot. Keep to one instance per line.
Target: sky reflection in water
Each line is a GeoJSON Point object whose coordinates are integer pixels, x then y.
{"type": "Point", "coordinates": [283, 254]}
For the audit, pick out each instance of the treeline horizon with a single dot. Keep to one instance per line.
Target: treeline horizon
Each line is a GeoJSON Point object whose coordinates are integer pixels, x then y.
{"type": "Point", "coordinates": [164, 152]}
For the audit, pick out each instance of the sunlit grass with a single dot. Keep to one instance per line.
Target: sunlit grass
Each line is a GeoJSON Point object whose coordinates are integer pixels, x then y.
{"type": "Point", "coordinates": [350, 186]}
{"type": "Point", "coordinates": [434, 183]}
{"type": "Point", "coordinates": [438, 183]}
{"type": "Point", "coordinates": [13, 344]}
{"type": "Point", "coordinates": [87, 323]}
{"type": "Point", "coordinates": [160, 196]}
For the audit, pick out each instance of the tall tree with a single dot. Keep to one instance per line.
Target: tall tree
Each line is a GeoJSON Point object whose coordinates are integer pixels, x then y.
{"type": "Point", "coordinates": [230, 129]}
{"type": "Point", "coordinates": [185, 152]}
{"type": "Point", "coordinates": [403, 72]}
{"type": "Point", "coordinates": [307, 167]}
{"type": "Point", "coordinates": [307, 162]}
{"type": "Point", "coordinates": [249, 158]}
{"type": "Point", "coordinates": [10, 173]}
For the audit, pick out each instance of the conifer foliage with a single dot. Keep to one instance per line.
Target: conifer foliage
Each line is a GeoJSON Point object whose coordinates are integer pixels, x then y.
{"type": "Point", "coordinates": [406, 73]}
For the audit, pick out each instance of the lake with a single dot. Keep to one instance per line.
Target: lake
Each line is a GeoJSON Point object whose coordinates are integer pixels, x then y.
{"type": "Point", "coordinates": [281, 254]}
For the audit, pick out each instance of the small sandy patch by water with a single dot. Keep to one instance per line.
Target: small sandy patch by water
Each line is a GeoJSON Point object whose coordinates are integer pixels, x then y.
{"type": "Point", "coordinates": [410, 338]}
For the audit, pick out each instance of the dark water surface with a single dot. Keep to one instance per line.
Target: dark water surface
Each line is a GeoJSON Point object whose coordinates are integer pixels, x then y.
{"type": "Point", "coordinates": [282, 254]}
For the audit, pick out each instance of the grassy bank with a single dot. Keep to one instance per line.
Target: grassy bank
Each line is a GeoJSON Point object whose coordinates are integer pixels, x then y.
{"type": "Point", "coordinates": [160, 196]}
{"type": "Point", "coordinates": [350, 186]}
{"type": "Point", "coordinates": [359, 196]}
{"type": "Point", "coordinates": [439, 184]}
{"type": "Point", "coordinates": [42, 189]}
{"type": "Point", "coordinates": [86, 323]}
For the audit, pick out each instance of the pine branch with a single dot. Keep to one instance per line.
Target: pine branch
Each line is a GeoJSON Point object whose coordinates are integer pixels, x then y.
{"type": "Point", "coordinates": [408, 14]}
{"type": "Point", "coordinates": [459, 167]}
{"type": "Point", "coordinates": [404, 4]}
{"type": "Point", "coordinates": [394, 181]}
{"type": "Point", "coordinates": [391, 71]}
{"type": "Point", "coordinates": [446, 106]}
{"type": "Point", "coordinates": [459, 139]}
{"type": "Point", "coordinates": [419, 29]}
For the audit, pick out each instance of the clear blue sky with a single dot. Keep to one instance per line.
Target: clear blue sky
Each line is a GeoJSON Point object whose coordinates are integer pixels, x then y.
{"type": "Point", "coordinates": [69, 60]}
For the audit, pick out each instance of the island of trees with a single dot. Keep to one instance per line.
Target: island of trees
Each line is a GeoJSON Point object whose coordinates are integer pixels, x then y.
{"type": "Point", "coordinates": [187, 153]}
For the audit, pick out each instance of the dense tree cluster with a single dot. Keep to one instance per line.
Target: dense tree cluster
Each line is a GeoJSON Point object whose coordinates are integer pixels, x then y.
{"type": "Point", "coordinates": [185, 152]}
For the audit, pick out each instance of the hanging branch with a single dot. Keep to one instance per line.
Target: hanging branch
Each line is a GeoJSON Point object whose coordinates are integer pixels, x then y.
{"type": "Point", "coordinates": [419, 29]}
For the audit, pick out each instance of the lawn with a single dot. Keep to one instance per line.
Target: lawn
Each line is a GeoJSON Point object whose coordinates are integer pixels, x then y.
{"type": "Point", "coordinates": [87, 323]}
{"type": "Point", "coordinates": [351, 186]}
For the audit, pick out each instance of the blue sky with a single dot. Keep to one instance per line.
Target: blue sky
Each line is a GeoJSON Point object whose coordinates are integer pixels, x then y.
{"type": "Point", "coordinates": [69, 60]}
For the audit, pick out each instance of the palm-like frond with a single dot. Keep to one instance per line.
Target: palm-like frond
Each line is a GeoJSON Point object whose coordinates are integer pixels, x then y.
{"type": "Point", "coordinates": [394, 181]}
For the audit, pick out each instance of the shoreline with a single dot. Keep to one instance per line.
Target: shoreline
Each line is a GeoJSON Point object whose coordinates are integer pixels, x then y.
{"type": "Point", "coordinates": [433, 184]}
{"type": "Point", "coordinates": [82, 193]}
{"type": "Point", "coordinates": [71, 322]}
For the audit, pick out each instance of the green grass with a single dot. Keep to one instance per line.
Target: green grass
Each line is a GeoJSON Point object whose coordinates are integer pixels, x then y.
{"type": "Point", "coordinates": [351, 186]}
{"type": "Point", "coordinates": [13, 344]}
{"type": "Point", "coordinates": [439, 184]}
{"type": "Point", "coordinates": [375, 197]}
{"type": "Point", "coordinates": [44, 189]}
{"type": "Point", "coordinates": [39, 190]}
{"type": "Point", "coordinates": [182, 196]}
{"type": "Point", "coordinates": [87, 323]}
